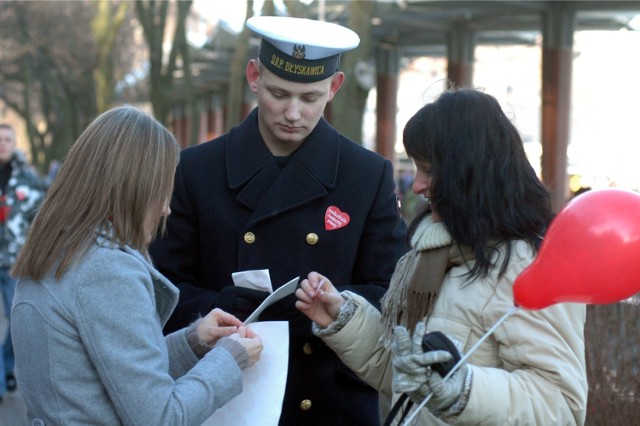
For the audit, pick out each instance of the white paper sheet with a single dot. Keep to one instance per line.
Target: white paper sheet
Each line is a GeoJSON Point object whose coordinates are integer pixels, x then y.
{"type": "Point", "coordinates": [263, 384]}
{"type": "Point", "coordinates": [258, 279]}
{"type": "Point", "coordinates": [280, 293]}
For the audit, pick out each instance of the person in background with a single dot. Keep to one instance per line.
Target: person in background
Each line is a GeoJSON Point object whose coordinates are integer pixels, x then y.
{"type": "Point", "coordinates": [53, 171]}
{"type": "Point", "coordinates": [486, 219]}
{"type": "Point", "coordinates": [89, 305]}
{"type": "Point", "coordinates": [285, 191]}
{"type": "Point", "coordinates": [21, 192]}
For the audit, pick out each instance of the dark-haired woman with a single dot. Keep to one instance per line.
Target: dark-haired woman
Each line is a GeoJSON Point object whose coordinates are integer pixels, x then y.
{"type": "Point", "coordinates": [485, 221]}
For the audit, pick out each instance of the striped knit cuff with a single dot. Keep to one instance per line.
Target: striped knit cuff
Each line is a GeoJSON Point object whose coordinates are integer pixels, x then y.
{"type": "Point", "coordinates": [197, 345]}
{"type": "Point", "coordinates": [236, 350]}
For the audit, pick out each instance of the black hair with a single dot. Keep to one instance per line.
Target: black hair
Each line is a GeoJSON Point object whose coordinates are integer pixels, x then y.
{"type": "Point", "coordinates": [483, 186]}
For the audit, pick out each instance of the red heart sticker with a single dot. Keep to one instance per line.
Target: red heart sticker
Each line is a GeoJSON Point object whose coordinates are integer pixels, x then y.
{"type": "Point", "coordinates": [334, 218]}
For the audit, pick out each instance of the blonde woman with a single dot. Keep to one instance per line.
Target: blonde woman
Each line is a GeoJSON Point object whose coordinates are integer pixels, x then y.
{"type": "Point", "coordinates": [89, 306]}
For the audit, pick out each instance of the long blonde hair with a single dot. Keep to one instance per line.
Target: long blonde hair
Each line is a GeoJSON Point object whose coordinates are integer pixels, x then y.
{"type": "Point", "coordinates": [119, 170]}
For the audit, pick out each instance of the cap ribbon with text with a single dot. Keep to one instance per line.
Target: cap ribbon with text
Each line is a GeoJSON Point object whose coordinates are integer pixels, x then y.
{"type": "Point", "coordinates": [297, 68]}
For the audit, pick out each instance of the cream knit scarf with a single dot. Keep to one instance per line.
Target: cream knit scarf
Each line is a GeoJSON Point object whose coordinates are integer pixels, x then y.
{"type": "Point", "coordinates": [418, 276]}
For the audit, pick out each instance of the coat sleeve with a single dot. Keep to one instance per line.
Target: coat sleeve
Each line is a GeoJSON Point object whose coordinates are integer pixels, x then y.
{"type": "Point", "coordinates": [181, 357]}
{"type": "Point", "coordinates": [122, 335]}
{"type": "Point", "coordinates": [359, 346]}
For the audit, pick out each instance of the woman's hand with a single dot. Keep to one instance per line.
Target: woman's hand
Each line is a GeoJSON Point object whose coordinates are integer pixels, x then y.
{"type": "Point", "coordinates": [252, 343]}
{"type": "Point", "coordinates": [217, 324]}
{"type": "Point", "coordinates": [319, 300]}
{"type": "Point", "coordinates": [413, 374]}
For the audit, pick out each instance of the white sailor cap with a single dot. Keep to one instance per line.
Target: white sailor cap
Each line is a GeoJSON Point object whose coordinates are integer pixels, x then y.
{"type": "Point", "coordinates": [301, 50]}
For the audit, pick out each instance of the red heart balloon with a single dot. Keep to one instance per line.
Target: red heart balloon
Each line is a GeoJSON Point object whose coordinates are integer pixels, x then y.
{"type": "Point", "coordinates": [590, 254]}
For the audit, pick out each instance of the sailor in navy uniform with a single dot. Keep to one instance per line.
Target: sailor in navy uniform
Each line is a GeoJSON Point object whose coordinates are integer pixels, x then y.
{"type": "Point", "coordinates": [284, 191]}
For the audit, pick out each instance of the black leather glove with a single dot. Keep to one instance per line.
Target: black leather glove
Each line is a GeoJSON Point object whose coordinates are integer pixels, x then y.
{"type": "Point", "coordinates": [240, 301]}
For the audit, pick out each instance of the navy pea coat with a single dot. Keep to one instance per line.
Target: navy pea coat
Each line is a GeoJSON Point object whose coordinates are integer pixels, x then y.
{"type": "Point", "coordinates": [332, 209]}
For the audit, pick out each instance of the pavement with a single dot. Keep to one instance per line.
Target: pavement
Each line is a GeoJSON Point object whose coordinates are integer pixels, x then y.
{"type": "Point", "coordinates": [12, 410]}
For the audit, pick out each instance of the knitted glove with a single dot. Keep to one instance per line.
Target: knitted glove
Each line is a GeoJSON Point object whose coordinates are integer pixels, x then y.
{"type": "Point", "coordinates": [411, 365]}
{"type": "Point", "coordinates": [240, 301]}
{"type": "Point", "coordinates": [412, 374]}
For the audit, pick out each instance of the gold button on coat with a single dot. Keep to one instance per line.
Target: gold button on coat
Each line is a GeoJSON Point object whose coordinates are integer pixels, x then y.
{"type": "Point", "coordinates": [307, 348]}
{"type": "Point", "coordinates": [312, 238]}
{"type": "Point", "coordinates": [249, 238]}
{"type": "Point", "coordinates": [305, 404]}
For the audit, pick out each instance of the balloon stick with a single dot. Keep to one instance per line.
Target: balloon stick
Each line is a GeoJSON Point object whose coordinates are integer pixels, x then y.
{"type": "Point", "coordinates": [463, 359]}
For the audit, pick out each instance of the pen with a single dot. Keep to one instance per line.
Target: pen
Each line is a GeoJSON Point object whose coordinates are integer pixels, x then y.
{"type": "Point", "coordinates": [319, 288]}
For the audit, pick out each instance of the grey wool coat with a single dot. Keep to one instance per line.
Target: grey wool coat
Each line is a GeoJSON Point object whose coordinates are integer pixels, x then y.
{"type": "Point", "coordinates": [90, 349]}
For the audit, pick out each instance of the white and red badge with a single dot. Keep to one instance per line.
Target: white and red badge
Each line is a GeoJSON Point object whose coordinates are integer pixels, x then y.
{"type": "Point", "coordinates": [334, 218]}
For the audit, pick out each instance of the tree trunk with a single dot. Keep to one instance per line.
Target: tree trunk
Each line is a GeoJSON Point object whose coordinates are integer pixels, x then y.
{"type": "Point", "coordinates": [105, 27]}
{"type": "Point", "coordinates": [152, 15]}
{"type": "Point", "coordinates": [237, 80]}
{"type": "Point", "coordinates": [347, 108]}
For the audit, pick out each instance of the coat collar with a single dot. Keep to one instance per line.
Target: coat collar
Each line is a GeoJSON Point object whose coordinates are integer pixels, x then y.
{"type": "Point", "coordinates": [166, 294]}
{"type": "Point", "coordinates": [261, 185]}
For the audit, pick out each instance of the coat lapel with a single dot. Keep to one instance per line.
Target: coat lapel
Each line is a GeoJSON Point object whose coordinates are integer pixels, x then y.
{"type": "Point", "coordinates": [266, 189]}
{"type": "Point", "coordinates": [250, 166]}
{"type": "Point", "coordinates": [165, 293]}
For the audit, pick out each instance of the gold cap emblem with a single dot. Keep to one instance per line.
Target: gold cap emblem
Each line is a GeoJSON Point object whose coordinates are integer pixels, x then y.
{"type": "Point", "coordinates": [299, 51]}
